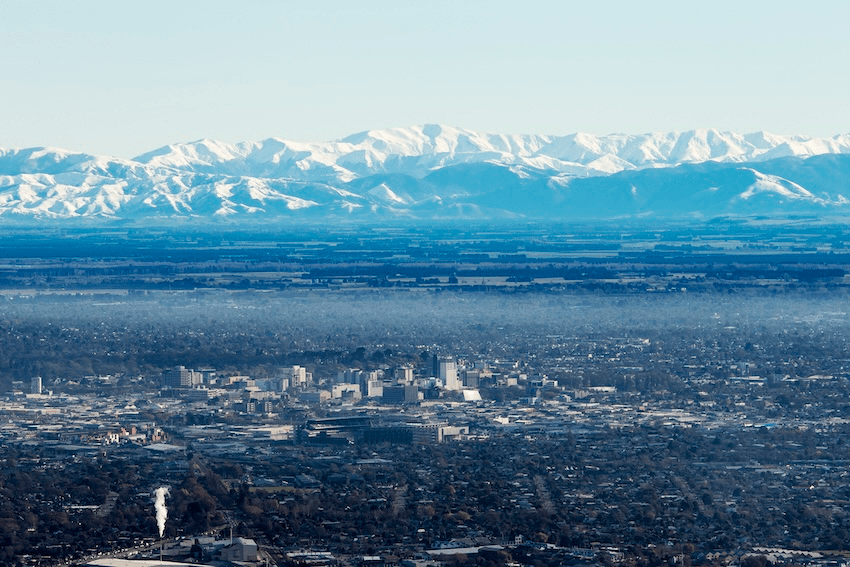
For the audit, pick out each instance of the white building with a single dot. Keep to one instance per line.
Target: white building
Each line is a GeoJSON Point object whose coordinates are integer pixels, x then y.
{"type": "Point", "coordinates": [242, 549]}
{"type": "Point", "coordinates": [295, 377]}
{"type": "Point", "coordinates": [182, 377]}
{"type": "Point", "coordinates": [346, 391]}
{"type": "Point", "coordinates": [404, 374]}
{"type": "Point", "coordinates": [374, 389]}
{"type": "Point", "coordinates": [448, 374]}
{"type": "Point", "coordinates": [350, 376]}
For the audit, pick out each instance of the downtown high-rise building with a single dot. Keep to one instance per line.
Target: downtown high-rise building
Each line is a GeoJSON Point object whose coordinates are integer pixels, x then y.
{"type": "Point", "coordinates": [448, 374]}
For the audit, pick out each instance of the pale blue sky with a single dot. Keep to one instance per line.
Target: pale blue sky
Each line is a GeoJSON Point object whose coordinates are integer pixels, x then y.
{"type": "Point", "coordinates": [121, 78]}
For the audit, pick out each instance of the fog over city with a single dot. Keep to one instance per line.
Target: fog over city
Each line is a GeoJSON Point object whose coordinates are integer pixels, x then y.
{"type": "Point", "coordinates": [305, 320]}
{"type": "Point", "coordinates": [501, 324]}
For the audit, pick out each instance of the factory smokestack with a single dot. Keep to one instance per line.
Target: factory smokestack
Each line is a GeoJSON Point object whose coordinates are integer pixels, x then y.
{"type": "Point", "coordinates": [161, 510]}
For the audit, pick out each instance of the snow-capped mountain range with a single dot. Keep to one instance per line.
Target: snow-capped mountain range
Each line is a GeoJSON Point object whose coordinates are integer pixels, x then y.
{"type": "Point", "coordinates": [434, 172]}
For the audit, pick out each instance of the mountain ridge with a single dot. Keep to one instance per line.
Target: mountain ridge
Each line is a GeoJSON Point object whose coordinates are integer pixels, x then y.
{"type": "Point", "coordinates": [421, 148]}
{"type": "Point", "coordinates": [434, 172]}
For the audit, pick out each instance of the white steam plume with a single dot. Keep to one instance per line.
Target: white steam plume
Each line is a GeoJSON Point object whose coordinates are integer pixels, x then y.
{"type": "Point", "coordinates": [161, 510]}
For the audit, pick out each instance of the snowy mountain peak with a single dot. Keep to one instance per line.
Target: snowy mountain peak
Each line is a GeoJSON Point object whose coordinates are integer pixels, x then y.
{"type": "Point", "coordinates": [430, 171]}
{"type": "Point", "coordinates": [419, 149]}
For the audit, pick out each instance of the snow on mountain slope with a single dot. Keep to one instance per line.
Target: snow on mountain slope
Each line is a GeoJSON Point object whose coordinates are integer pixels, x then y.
{"type": "Point", "coordinates": [414, 150]}
{"type": "Point", "coordinates": [420, 149]}
{"type": "Point", "coordinates": [780, 187]}
{"type": "Point", "coordinates": [434, 171]}
{"type": "Point", "coordinates": [647, 150]}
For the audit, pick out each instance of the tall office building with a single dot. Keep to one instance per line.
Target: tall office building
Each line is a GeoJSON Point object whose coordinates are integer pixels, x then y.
{"type": "Point", "coordinates": [181, 377]}
{"type": "Point", "coordinates": [350, 376]}
{"type": "Point", "coordinates": [297, 376]}
{"type": "Point", "coordinates": [435, 366]}
{"type": "Point", "coordinates": [471, 378]}
{"type": "Point", "coordinates": [448, 374]}
{"type": "Point", "coordinates": [404, 374]}
{"type": "Point", "coordinates": [374, 389]}
{"type": "Point", "coordinates": [35, 385]}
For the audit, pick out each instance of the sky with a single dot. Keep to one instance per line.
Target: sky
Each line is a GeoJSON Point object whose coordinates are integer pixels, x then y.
{"type": "Point", "coordinates": [123, 78]}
